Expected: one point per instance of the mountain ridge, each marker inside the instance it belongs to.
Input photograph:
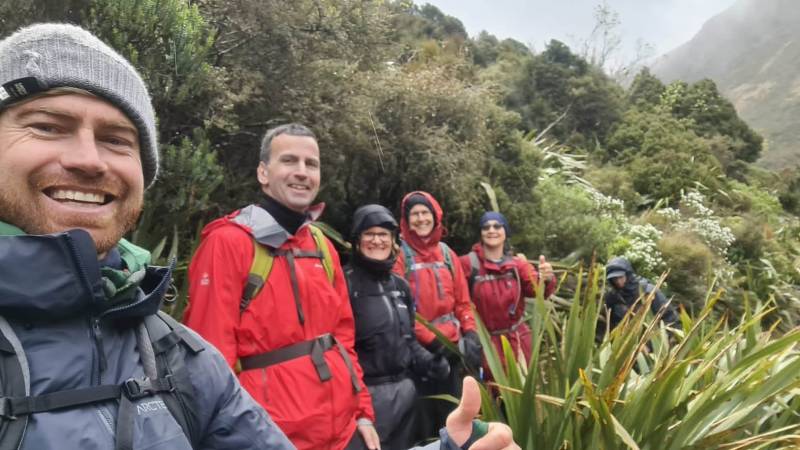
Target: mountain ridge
(752, 51)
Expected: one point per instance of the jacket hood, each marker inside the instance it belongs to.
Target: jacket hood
(411, 237)
(619, 266)
(56, 276)
(632, 281)
(369, 216)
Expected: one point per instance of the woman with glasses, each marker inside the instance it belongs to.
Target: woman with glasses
(499, 282)
(385, 343)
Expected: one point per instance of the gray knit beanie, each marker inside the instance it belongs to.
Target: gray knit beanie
(47, 56)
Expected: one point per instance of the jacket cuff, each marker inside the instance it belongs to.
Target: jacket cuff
(364, 421)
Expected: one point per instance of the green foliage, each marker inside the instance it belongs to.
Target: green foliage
(690, 264)
(190, 174)
(646, 90)
(615, 182)
(15, 14)
(170, 43)
(565, 223)
(712, 114)
(662, 155)
(558, 87)
(715, 386)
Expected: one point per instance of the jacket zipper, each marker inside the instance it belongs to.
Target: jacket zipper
(97, 337)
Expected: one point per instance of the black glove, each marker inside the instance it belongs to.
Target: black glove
(439, 369)
(436, 347)
(473, 351)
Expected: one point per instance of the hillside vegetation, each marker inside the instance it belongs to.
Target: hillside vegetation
(751, 51)
(402, 98)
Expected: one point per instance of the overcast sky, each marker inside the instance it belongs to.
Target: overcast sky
(664, 24)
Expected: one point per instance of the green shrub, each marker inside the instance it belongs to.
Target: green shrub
(615, 182)
(567, 222)
(690, 267)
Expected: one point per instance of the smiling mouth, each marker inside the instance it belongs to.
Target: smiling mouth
(78, 196)
(299, 187)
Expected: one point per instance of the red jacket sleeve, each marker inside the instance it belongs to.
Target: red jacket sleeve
(217, 275)
(463, 306)
(346, 334)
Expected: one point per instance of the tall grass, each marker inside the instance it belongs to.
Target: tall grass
(707, 385)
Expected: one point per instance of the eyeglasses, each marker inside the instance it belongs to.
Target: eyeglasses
(489, 226)
(381, 236)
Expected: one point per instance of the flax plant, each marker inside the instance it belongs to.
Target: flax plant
(643, 386)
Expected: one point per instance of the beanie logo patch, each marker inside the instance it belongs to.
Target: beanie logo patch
(21, 87)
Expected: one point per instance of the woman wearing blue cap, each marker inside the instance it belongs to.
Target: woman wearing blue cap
(499, 282)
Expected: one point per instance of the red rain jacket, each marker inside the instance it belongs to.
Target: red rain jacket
(313, 414)
(499, 292)
(432, 304)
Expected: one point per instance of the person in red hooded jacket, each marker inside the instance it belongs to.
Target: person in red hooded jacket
(294, 340)
(440, 292)
(499, 283)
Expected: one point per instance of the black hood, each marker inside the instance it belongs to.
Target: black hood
(369, 216)
(618, 265)
(631, 289)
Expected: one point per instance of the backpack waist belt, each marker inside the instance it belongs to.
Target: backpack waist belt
(508, 330)
(372, 381)
(449, 317)
(315, 348)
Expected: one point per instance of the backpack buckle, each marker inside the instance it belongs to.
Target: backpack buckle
(135, 390)
(6, 409)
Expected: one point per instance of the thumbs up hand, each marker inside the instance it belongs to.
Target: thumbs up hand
(460, 428)
(545, 269)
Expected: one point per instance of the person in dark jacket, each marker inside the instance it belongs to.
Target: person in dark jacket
(383, 308)
(625, 287)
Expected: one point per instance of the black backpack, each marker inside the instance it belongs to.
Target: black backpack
(163, 344)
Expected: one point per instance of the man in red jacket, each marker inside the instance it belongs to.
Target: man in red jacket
(293, 341)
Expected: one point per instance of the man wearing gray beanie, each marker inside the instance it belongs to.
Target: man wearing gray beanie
(86, 359)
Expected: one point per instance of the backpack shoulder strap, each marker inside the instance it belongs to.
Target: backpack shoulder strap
(408, 256)
(15, 381)
(448, 258)
(172, 344)
(259, 272)
(322, 247)
(474, 269)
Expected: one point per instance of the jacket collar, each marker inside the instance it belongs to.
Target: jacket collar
(56, 276)
(265, 229)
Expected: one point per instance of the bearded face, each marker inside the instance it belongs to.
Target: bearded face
(70, 161)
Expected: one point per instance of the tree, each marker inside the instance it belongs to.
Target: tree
(712, 114)
(646, 90)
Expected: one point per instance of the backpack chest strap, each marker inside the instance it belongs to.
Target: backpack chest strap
(491, 276)
(434, 266)
(133, 389)
(315, 348)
